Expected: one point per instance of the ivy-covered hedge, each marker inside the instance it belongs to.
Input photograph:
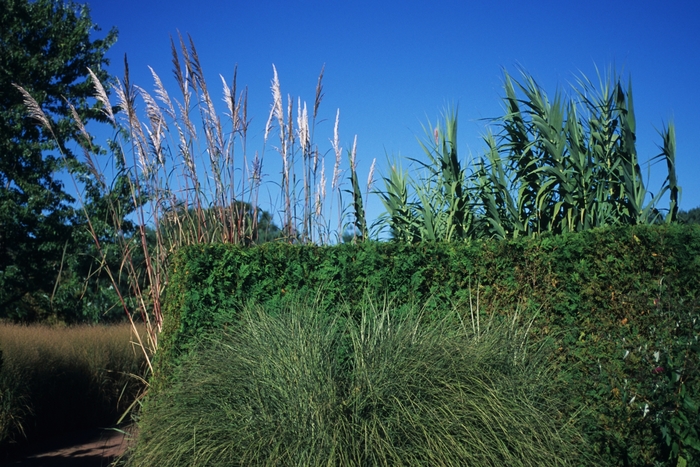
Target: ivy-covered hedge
(620, 305)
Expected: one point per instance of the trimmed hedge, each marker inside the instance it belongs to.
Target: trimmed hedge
(620, 303)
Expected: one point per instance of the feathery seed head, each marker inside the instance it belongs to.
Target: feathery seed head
(290, 121)
(370, 178)
(320, 193)
(186, 120)
(99, 177)
(321, 189)
(101, 96)
(322, 182)
(125, 102)
(256, 170)
(353, 154)
(338, 152)
(318, 206)
(33, 108)
(185, 152)
(336, 140)
(155, 134)
(228, 98)
(303, 126)
(155, 139)
(153, 111)
(276, 109)
(141, 152)
(78, 121)
(121, 96)
(162, 95)
(319, 91)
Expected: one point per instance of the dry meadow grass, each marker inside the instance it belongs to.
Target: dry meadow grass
(55, 379)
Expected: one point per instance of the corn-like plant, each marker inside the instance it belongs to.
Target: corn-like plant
(444, 207)
(569, 165)
(557, 166)
(445, 168)
(399, 215)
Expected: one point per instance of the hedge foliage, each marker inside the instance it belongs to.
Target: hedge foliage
(621, 305)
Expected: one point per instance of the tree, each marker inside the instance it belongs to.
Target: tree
(46, 48)
(689, 217)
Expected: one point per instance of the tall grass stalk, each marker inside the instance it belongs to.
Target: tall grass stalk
(188, 177)
(296, 386)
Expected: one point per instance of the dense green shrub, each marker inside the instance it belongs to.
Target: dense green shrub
(297, 386)
(615, 300)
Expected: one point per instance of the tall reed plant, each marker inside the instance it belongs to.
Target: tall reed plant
(555, 166)
(443, 208)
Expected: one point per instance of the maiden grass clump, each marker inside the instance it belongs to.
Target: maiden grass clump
(300, 387)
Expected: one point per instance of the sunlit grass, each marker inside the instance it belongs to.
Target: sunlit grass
(55, 379)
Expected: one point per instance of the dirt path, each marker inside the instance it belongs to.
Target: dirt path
(94, 448)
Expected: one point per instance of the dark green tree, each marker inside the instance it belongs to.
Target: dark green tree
(689, 217)
(46, 48)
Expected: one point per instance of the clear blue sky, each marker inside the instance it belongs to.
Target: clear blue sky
(390, 66)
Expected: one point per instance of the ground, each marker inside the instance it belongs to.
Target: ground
(93, 448)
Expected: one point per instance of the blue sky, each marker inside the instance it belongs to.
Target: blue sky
(393, 66)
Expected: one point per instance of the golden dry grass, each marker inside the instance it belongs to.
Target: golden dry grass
(62, 378)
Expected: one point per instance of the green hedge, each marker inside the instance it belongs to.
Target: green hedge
(620, 303)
